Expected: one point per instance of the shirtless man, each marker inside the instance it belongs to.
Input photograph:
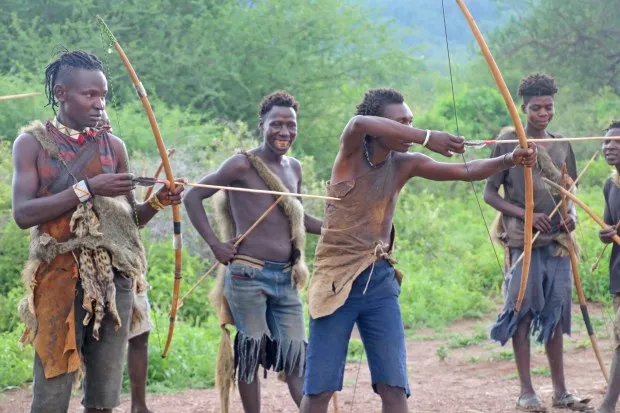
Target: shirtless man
(354, 281)
(260, 283)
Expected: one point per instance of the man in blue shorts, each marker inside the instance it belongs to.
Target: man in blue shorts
(354, 280)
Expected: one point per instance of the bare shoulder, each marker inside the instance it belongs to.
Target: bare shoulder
(236, 165)
(26, 143)
(118, 145)
(408, 164)
(295, 164)
(410, 158)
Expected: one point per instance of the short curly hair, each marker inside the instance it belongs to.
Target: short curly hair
(537, 84)
(615, 124)
(277, 98)
(375, 101)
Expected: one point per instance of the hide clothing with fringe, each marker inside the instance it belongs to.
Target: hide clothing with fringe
(94, 243)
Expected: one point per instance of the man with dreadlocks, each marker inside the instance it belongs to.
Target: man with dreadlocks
(86, 259)
(546, 307)
(258, 290)
(354, 279)
(611, 191)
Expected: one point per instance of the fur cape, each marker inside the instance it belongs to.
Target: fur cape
(293, 209)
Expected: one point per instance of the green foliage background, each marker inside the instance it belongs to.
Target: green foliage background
(206, 64)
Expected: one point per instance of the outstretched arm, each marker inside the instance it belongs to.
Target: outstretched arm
(396, 136)
(230, 171)
(426, 167)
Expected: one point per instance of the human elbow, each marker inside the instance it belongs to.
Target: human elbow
(21, 219)
(192, 200)
(488, 195)
(189, 200)
(357, 123)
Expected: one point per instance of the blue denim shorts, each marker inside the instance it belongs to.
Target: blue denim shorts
(268, 316)
(378, 318)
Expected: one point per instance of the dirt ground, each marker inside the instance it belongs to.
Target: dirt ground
(454, 370)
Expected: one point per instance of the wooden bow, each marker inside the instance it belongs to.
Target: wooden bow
(574, 263)
(161, 147)
(527, 171)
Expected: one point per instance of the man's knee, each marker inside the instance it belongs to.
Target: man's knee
(322, 398)
(140, 341)
(390, 394)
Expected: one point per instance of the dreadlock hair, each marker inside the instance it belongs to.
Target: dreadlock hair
(77, 59)
(277, 98)
(375, 101)
(615, 124)
(537, 84)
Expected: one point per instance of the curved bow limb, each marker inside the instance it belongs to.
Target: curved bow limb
(527, 171)
(161, 147)
(160, 168)
(583, 206)
(574, 263)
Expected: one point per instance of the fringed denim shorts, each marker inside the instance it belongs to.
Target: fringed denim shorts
(269, 318)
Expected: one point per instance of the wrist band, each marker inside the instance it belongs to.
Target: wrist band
(506, 163)
(428, 138)
(88, 187)
(155, 203)
(81, 191)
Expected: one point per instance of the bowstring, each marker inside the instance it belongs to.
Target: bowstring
(108, 48)
(456, 119)
(357, 376)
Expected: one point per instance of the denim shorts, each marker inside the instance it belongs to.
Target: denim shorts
(268, 316)
(377, 315)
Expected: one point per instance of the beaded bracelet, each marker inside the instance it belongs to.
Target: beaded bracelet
(155, 203)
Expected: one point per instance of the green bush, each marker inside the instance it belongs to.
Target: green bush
(191, 360)
(15, 361)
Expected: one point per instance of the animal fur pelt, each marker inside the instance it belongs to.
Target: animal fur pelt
(105, 237)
